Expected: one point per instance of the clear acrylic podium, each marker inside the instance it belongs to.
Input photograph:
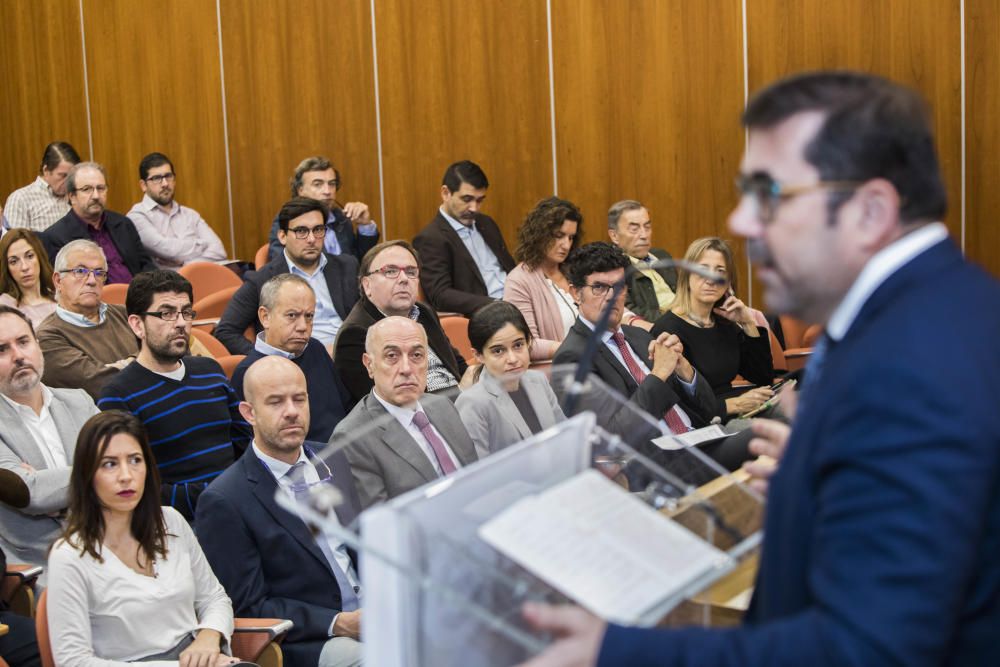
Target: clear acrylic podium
(436, 593)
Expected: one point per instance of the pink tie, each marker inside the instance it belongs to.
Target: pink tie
(440, 453)
(672, 416)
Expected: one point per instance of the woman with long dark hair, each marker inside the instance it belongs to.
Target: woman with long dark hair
(509, 402)
(128, 581)
(26, 275)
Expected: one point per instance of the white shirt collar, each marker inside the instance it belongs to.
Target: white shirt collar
(79, 320)
(455, 224)
(402, 414)
(878, 269)
(46, 402)
(149, 204)
(269, 350)
(292, 268)
(278, 468)
(607, 333)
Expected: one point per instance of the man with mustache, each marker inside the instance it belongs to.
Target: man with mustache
(174, 235)
(88, 218)
(465, 259)
(400, 437)
(38, 430)
(187, 406)
(288, 309)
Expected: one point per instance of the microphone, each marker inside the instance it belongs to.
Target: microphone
(586, 362)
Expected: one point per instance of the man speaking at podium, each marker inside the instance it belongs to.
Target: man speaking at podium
(882, 533)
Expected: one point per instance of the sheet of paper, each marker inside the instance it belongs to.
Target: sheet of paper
(601, 546)
(691, 438)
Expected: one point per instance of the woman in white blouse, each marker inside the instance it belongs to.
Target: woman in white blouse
(128, 581)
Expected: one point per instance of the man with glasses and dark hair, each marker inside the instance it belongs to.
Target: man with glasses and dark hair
(174, 235)
(333, 278)
(389, 275)
(352, 230)
(89, 219)
(287, 311)
(465, 258)
(39, 205)
(186, 404)
(269, 561)
(652, 373)
(86, 341)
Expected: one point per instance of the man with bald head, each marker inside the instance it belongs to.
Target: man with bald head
(267, 559)
(287, 309)
(400, 437)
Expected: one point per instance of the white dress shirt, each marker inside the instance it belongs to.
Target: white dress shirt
(405, 418)
(43, 429)
(489, 266)
(175, 236)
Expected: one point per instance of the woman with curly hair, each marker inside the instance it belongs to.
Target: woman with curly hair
(26, 275)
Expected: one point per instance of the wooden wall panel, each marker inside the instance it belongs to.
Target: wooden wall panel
(648, 97)
(41, 76)
(982, 89)
(155, 86)
(914, 43)
(463, 80)
(299, 82)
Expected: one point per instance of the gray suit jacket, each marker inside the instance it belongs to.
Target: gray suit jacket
(385, 461)
(492, 419)
(25, 535)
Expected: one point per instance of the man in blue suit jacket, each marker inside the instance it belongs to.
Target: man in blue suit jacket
(266, 558)
(883, 524)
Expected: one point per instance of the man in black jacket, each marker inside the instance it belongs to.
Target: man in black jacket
(89, 219)
(650, 291)
(333, 278)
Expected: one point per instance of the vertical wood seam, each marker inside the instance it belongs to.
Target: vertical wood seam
(552, 99)
(225, 128)
(961, 13)
(746, 139)
(378, 123)
(86, 84)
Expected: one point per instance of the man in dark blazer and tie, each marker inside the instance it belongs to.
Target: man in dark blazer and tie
(883, 519)
(268, 560)
(400, 438)
(333, 278)
(465, 259)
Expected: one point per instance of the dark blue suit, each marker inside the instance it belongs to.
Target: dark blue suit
(267, 559)
(882, 543)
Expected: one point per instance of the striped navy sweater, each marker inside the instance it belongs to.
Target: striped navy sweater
(194, 425)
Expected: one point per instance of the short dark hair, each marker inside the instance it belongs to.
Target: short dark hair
(10, 310)
(56, 152)
(596, 257)
(464, 172)
(493, 317)
(85, 521)
(540, 227)
(314, 163)
(146, 285)
(299, 206)
(152, 161)
(873, 128)
(369, 258)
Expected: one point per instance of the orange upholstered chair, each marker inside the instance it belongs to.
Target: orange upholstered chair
(208, 278)
(260, 259)
(211, 343)
(114, 294)
(456, 328)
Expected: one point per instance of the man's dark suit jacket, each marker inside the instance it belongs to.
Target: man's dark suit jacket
(341, 273)
(641, 295)
(122, 232)
(267, 559)
(351, 242)
(448, 274)
(882, 532)
(653, 396)
(350, 345)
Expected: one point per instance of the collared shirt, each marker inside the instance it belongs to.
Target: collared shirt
(327, 321)
(280, 470)
(438, 375)
(79, 320)
(332, 243)
(689, 387)
(664, 295)
(117, 271)
(35, 207)
(883, 264)
(43, 429)
(405, 416)
(264, 348)
(175, 236)
(489, 266)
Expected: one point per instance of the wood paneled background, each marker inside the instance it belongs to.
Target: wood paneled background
(597, 99)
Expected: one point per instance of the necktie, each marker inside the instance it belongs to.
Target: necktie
(440, 453)
(672, 416)
(348, 592)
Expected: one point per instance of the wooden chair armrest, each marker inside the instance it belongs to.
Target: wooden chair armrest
(17, 588)
(275, 628)
(257, 640)
(797, 357)
(24, 571)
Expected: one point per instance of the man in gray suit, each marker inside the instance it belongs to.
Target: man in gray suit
(38, 430)
(400, 438)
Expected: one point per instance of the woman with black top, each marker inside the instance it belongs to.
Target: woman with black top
(720, 337)
(509, 402)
